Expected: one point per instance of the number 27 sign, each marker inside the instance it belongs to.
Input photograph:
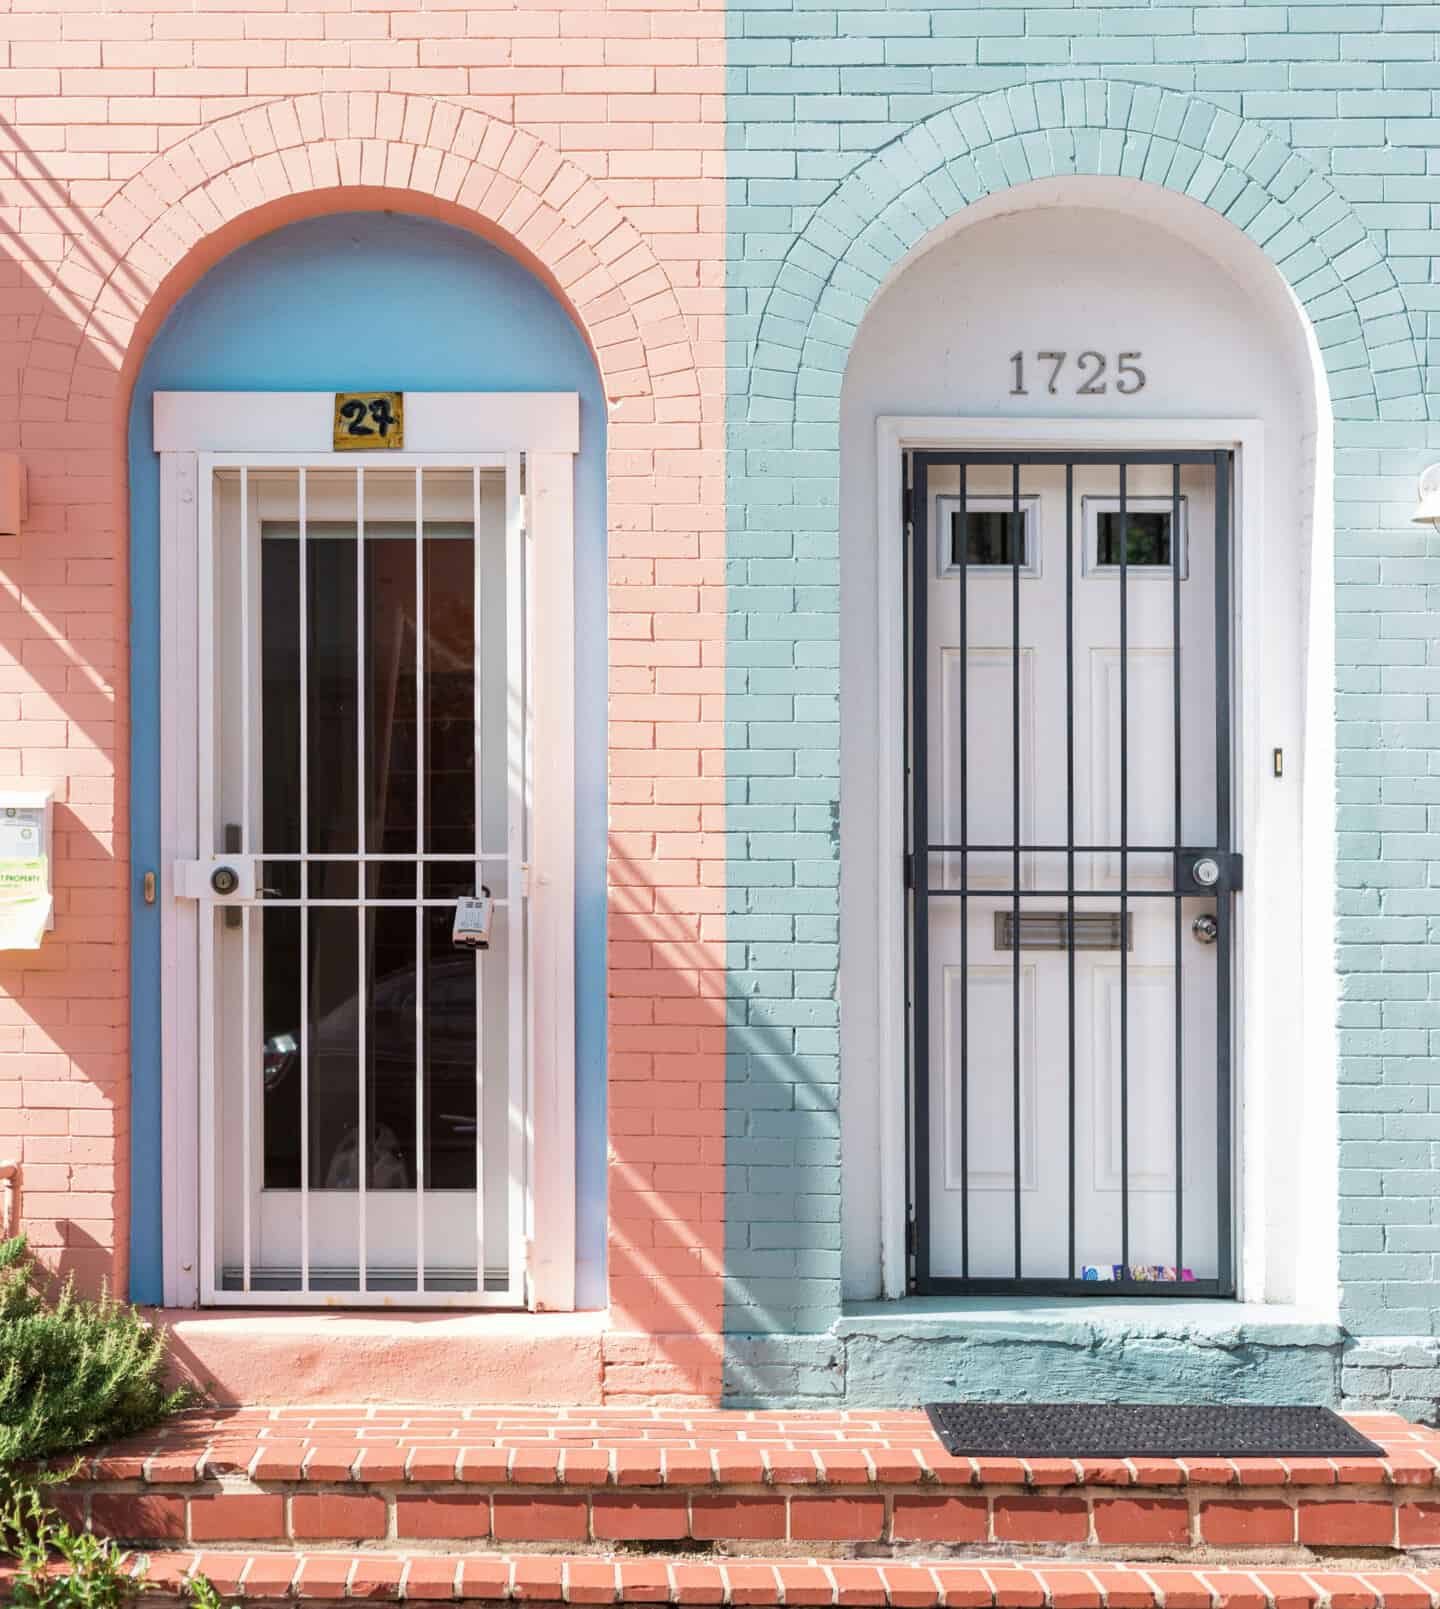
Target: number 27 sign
(366, 420)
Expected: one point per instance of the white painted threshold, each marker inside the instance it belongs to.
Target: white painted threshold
(1048, 1318)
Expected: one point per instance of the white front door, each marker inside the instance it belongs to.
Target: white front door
(1070, 1028)
(367, 710)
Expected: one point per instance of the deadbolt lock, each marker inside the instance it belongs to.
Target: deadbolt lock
(1209, 871)
(224, 880)
(1206, 929)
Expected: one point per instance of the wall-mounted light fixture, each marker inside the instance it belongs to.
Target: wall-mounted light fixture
(1427, 510)
(12, 495)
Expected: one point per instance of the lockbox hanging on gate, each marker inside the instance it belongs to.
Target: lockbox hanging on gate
(473, 914)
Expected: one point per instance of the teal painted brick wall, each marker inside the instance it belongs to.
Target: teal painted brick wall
(852, 130)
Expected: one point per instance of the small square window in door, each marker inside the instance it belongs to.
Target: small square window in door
(988, 533)
(1145, 533)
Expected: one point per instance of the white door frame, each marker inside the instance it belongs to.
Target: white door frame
(294, 427)
(1259, 974)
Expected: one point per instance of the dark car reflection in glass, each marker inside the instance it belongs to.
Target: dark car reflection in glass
(450, 1075)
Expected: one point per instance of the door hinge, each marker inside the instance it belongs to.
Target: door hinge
(909, 870)
(907, 505)
(910, 1235)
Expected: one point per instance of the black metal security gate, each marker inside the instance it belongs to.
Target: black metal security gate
(1071, 872)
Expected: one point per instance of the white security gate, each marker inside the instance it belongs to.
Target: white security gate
(363, 754)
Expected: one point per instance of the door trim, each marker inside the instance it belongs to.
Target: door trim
(300, 422)
(188, 427)
(896, 434)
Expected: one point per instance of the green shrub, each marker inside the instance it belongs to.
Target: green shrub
(72, 1370)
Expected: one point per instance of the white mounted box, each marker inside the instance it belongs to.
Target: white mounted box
(27, 907)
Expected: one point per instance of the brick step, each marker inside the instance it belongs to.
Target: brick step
(772, 1519)
(332, 1577)
(775, 1485)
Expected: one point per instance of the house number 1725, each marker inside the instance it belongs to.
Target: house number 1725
(1087, 377)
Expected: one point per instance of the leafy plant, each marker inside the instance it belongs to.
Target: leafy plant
(202, 1593)
(72, 1370)
(57, 1567)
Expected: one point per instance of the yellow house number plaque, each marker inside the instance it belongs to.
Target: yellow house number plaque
(367, 420)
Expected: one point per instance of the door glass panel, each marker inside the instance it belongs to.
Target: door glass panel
(989, 537)
(1144, 533)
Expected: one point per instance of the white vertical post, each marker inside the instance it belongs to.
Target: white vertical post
(419, 878)
(477, 722)
(182, 642)
(516, 847)
(247, 1165)
(304, 579)
(549, 487)
(205, 844)
(362, 1001)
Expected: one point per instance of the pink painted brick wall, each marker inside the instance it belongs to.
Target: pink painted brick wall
(141, 142)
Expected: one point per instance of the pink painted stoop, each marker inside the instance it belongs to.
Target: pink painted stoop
(712, 1507)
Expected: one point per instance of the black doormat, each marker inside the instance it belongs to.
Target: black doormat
(1127, 1430)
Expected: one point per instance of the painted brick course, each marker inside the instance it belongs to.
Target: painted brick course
(852, 131)
(138, 147)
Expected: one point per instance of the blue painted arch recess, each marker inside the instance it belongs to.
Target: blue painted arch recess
(355, 301)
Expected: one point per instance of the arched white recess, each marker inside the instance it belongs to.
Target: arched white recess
(1114, 265)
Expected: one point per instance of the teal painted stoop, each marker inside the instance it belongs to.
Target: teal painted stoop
(901, 1354)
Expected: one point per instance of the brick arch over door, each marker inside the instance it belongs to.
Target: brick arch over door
(256, 170)
(474, 168)
(786, 1279)
(1249, 176)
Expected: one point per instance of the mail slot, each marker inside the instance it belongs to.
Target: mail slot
(1060, 930)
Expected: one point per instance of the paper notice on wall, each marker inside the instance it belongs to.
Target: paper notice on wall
(24, 902)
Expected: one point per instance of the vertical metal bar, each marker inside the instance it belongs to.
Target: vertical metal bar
(526, 1095)
(1015, 849)
(245, 623)
(1224, 902)
(919, 849)
(205, 845)
(246, 1072)
(1070, 855)
(478, 712)
(362, 986)
(246, 1058)
(1178, 813)
(304, 580)
(421, 794)
(964, 873)
(1124, 883)
(517, 836)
